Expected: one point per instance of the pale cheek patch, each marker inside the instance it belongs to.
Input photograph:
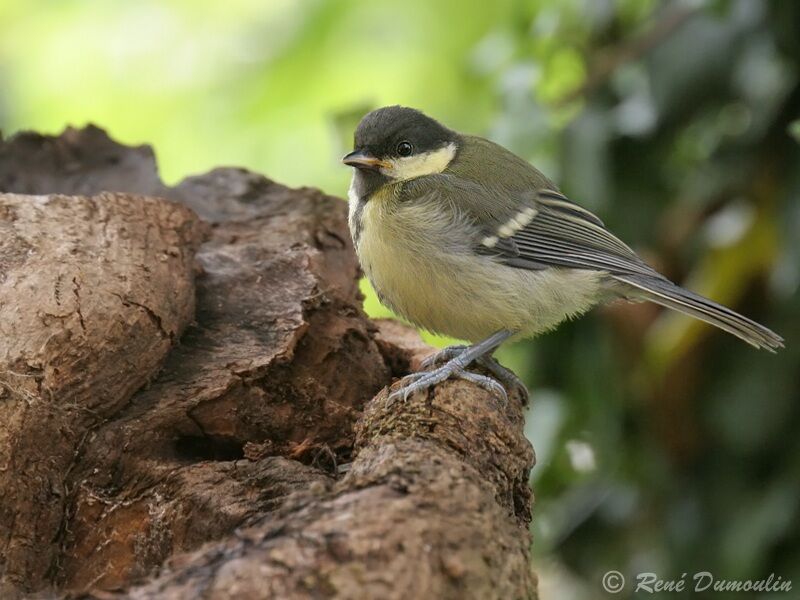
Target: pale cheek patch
(516, 223)
(419, 165)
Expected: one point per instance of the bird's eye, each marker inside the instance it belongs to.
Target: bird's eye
(405, 148)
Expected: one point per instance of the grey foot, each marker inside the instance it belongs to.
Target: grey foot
(421, 381)
(498, 371)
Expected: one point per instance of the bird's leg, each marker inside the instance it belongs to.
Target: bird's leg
(442, 356)
(487, 361)
(456, 367)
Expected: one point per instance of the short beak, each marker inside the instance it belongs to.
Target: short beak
(363, 160)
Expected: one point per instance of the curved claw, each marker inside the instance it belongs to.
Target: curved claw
(487, 383)
(405, 383)
(504, 376)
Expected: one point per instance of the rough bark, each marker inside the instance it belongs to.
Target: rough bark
(172, 424)
(436, 505)
(93, 292)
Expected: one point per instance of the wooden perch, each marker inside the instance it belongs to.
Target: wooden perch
(183, 373)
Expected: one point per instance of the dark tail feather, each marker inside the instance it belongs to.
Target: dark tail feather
(664, 292)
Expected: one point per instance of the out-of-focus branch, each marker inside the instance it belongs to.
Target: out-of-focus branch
(607, 60)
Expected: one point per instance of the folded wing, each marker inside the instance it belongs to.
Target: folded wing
(551, 231)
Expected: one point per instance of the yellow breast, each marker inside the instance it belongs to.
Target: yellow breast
(420, 262)
(397, 252)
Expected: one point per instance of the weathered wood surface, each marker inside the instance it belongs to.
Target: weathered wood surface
(182, 372)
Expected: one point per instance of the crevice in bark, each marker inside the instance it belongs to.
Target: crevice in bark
(76, 290)
(150, 313)
(191, 448)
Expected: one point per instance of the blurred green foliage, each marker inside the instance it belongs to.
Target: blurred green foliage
(662, 445)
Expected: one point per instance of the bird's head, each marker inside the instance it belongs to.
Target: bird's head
(396, 143)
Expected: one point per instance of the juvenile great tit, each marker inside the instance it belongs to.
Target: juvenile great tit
(462, 237)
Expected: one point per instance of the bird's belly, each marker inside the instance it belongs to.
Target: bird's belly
(430, 294)
(466, 295)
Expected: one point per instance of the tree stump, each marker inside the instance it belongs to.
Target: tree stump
(186, 373)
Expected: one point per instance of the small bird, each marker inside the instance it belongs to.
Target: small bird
(464, 238)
